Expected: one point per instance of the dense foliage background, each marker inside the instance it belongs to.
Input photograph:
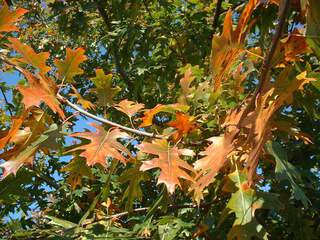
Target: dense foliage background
(206, 62)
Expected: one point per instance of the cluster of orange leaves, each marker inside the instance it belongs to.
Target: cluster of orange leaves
(245, 131)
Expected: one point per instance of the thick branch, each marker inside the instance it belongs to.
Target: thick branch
(266, 65)
(106, 121)
(216, 15)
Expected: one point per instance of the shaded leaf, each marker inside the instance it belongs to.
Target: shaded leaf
(69, 67)
(77, 169)
(132, 176)
(104, 90)
(286, 171)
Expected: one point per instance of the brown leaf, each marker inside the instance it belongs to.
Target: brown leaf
(172, 167)
(128, 107)
(216, 155)
(69, 68)
(294, 45)
(186, 81)
(227, 47)
(9, 18)
(184, 124)
(29, 56)
(103, 144)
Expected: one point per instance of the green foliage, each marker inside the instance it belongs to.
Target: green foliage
(206, 147)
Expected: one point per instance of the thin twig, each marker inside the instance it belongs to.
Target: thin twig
(115, 48)
(144, 209)
(6, 100)
(106, 121)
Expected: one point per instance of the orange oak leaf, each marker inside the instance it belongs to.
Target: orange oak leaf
(10, 134)
(29, 56)
(86, 104)
(9, 18)
(172, 167)
(129, 108)
(186, 81)
(68, 68)
(259, 121)
(184, 124)
(41, 89)
(150, 113)
(227, 47)
(18, 159)
(103, 144)
(294, 45)
(215, 156)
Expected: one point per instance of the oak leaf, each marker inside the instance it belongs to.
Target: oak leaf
(69, 67)
(172, 167)
(29, 56)
(129, 108)
(104, 90)
(184, 124)
(227, 47)
(17, 159)
(86, 104)
(294, 45)
(215, 157)
(77, 169)
(103, 144)
(170, 108)
(9, 18)
(41, 89)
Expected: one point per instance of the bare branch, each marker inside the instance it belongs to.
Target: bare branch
(106, 121)
(216, 15)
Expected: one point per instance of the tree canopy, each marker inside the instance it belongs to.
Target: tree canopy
(169, 119)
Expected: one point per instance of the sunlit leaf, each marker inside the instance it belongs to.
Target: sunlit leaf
(103, 144)
(171, 165)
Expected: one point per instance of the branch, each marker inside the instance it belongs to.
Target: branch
(266, 65)
(115, 48)
(106, 121)
(144, 209)
(6, 100)
(216, 15)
